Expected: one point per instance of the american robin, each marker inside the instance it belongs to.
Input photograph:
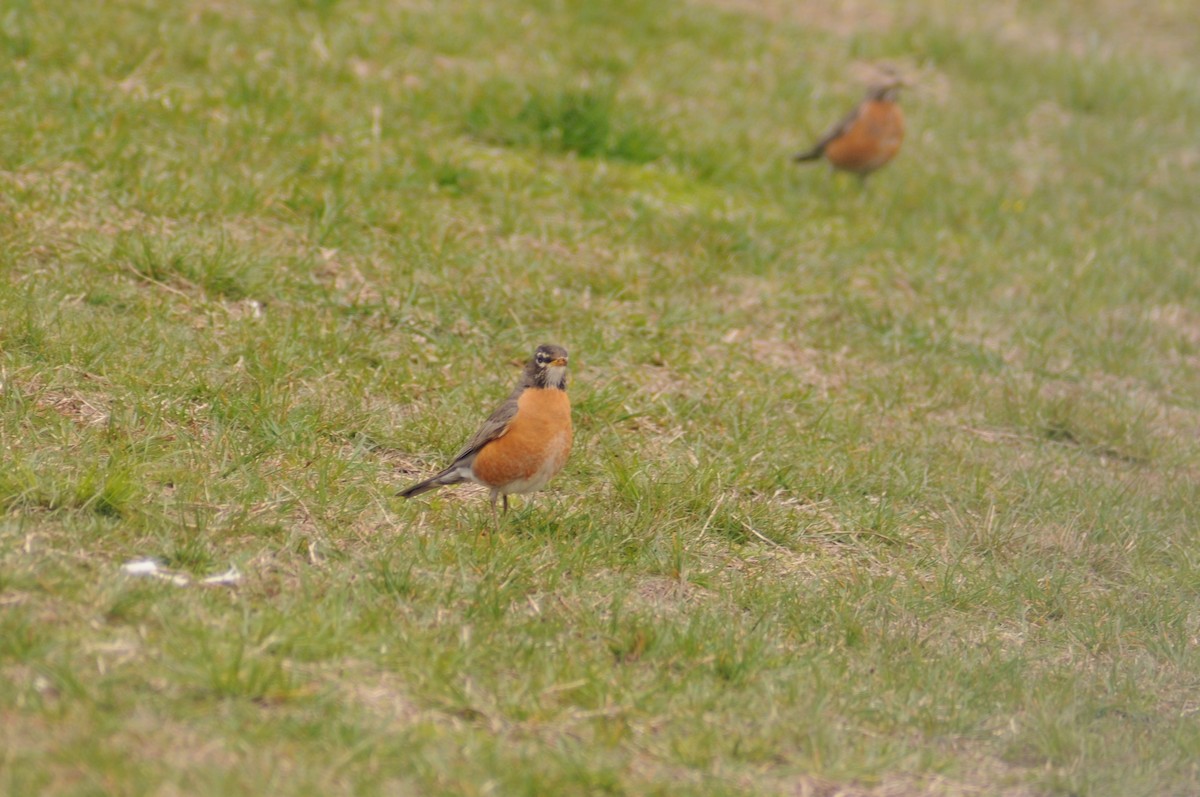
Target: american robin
(869, 136)
(525, 442)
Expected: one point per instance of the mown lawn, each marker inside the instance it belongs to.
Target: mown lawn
(877, 491)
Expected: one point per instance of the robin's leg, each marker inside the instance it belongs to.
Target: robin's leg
(506, 503)
(495, 518)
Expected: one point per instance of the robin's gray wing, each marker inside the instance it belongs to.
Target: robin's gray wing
(495, 426)
(835, 132)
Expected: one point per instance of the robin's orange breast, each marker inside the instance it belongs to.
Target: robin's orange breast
(871, 141)
(534, 448)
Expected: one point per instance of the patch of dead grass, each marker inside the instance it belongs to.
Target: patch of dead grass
(1166, 32)
(656, 381)
(1178, 320)
(1038, 161)
(84, 409)
(379, 693)
(74, 406)
(842, 19)
(343, 275)
(824, 371)
(661, 595)
(174, 745)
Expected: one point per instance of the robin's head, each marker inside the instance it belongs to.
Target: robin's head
(548, 368)
(886, 85)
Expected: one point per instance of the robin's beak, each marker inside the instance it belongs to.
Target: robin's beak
(560, 362)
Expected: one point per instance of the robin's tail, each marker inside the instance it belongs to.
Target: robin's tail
(810, 155)
(449, 476)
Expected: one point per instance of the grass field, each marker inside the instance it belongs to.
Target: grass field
(882, 491)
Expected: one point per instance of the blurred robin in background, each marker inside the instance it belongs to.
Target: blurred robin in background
(525, 442)
(869, 136)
